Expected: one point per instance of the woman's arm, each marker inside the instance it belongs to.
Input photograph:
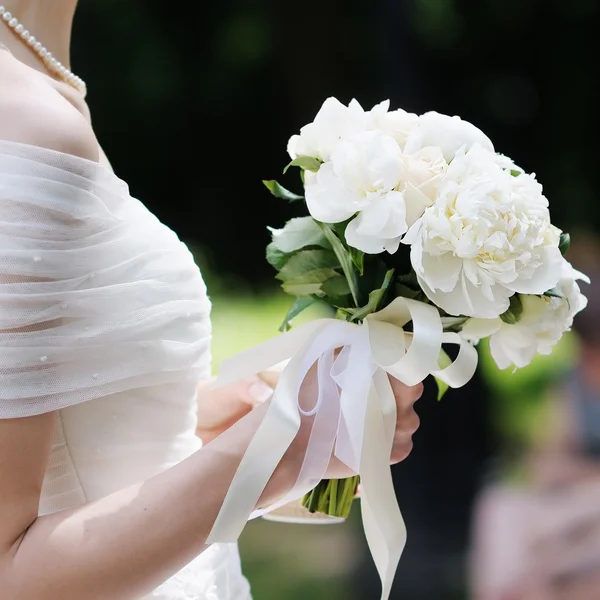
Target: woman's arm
(123, 545)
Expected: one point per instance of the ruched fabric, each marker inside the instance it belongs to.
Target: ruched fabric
(96, 295)
(105, 320)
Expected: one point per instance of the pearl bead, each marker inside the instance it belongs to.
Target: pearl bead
(53, 65)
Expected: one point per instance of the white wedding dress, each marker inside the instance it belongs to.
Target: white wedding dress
(104, 318)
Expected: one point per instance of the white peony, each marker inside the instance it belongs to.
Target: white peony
(487, 236)
(333, 122)
(447, 133)
(543, 322)
(370, 177)
(398, 124)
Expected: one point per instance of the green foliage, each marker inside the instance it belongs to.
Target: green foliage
(306, 163)
(307, 261)
(514, 312)
(300, 304)
(275, 257)
(280, 192)
(345, 260)
(375, 299)
(443, 361)
(564, 243)
(299, 233)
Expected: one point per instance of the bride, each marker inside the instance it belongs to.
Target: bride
(106, 492)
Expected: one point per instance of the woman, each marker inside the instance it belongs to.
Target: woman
(105, 492)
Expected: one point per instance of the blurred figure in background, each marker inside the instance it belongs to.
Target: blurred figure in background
(541, 540)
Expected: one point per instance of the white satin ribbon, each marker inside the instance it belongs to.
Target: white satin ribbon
(354, 414)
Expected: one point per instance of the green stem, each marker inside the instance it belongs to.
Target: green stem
(332, 497)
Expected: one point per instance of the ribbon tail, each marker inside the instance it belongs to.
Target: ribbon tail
(383, 524)
(266, 449)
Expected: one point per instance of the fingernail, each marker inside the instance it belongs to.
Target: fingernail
(260, 391)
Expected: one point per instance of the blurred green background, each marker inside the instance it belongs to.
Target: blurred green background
(194, 104)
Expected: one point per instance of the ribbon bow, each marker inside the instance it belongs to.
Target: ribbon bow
(354, 414)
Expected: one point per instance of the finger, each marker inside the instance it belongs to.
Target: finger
(407, 423)
(251, 391)
(258, 391)
(402, 447)
(406, 394)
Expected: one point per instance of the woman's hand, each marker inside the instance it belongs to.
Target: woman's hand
(219, 409)
(407, 423)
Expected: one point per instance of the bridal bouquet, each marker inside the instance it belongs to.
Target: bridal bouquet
(416, 221)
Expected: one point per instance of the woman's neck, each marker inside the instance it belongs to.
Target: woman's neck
(50, 21)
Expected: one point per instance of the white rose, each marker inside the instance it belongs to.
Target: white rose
(368, 174)
(543, 322)
(487, 236)
(447, 133)
(333, 122)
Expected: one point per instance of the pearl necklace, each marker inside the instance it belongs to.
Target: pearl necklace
(54, 66)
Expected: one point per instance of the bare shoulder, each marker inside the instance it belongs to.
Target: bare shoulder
(33, 112)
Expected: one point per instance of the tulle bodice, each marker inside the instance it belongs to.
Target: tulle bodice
(104, 318)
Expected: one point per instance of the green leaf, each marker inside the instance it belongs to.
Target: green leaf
(515, 172)
(336, 287)
(299, 305)
(443, 361)
(344, 258)
(564, 243)
(307, 163)
(406, 292)
(275, 257)
(306, 261)
(375, 298)
(358, 258)
(308, 283)
(299, 233)
(280, 192)
(345, 314)
(513, 314)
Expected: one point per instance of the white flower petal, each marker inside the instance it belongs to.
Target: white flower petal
(475, 330)
(545, 277)
(370, 244)
(444, 270)
(447, 133)
(467, 300)
(416, 202)
(327, 199)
